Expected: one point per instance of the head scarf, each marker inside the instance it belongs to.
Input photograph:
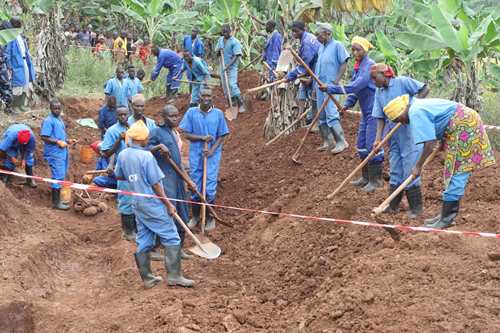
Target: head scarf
(23, 137)
(138, 98)
(396, 107)
(363, 42)
(323, 27)
(138, 131)
(384, 69)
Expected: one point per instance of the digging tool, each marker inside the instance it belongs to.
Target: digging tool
(315, 78)
(195, 82)
(204, 189)
(230, 114)
(383, 206)
(366, 160)
(265, 86)
(96, 172)
(192, 185)
(295, 156)
(288, 128)
(249, 64)
(269, 68)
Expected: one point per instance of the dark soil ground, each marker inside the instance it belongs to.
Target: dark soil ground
(62, 272)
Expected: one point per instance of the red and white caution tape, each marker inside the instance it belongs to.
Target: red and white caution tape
(404, 228)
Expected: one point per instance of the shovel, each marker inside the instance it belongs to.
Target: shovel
(197, 83)
(296, 155)
(383, 206)
(192, 186)
(365, 161)
(230, 113)
(204, 189)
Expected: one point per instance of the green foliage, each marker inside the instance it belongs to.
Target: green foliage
(8, 35)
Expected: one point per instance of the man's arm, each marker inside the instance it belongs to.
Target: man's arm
(422, 93)
(341, 73)
(194, 137)
(116, 145)
(428, 148)
(158, 190)
(236, 57)
(217, 143)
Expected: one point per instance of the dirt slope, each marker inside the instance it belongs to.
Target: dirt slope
(65, 273)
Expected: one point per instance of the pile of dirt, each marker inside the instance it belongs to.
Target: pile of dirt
(65, 272)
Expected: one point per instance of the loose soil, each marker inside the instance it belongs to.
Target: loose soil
(62, 272)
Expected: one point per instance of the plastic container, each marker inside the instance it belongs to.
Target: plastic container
(66, 194)
(86, 154)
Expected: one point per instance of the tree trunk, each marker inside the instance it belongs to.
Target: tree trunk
(466, 85)
(50, 61)
(283, 110)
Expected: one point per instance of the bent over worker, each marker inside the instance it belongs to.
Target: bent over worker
(197, 72)
(55, 150)
(466, 144)
(17, 149)
(173, 62)
(138, 167)
(403, 152)
(361, 88)
(199, 125)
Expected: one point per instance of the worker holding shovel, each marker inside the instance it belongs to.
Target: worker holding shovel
(197, 72)
(466, 144)
(17, 149)
(200, 125)
(166, 146)
(404, 154)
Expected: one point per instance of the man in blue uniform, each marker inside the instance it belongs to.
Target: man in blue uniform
(138, 103)
(138, 167)
(17, 149)
(173, 62)
(197, 71)
(330, 68)
(111, 147)
(308, 52)
(134, 84)
(199, 125)
(107, 115)
(55, 150)
(118, 87)
(193, 43)
(231, 50)
(272, 50)
(165, 143)
(404, 154)
(5, 85)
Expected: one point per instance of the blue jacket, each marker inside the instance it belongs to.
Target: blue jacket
(308, 52)
(15, 62)
(168, 59)
(272, 49)
(197, 49)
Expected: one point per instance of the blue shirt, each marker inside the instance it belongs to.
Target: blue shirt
(195, 47)
(330, 57)
(119, 89)
(308, 52)
(429, 118)
(272, 50)
(164, 135)
(111, 136)
(150, 123)
(198, 70)
(11, 146)
(53, 127)
(138, 166)
(135, 86)
(231, 47)
(107, 117)
(168, 59)
(398, 86)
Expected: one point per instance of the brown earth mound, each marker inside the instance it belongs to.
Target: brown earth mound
(62, 272)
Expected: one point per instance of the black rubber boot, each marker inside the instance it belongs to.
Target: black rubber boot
(209, 221)
(363, 180)
(6, 179)
(56, 200)
(29, 181)
(129, 227)
(394, 204)
(448, 213)
(414, 197)
(193, 222)
(173, 267)
(374, 178)
(241, 104)
(143, 261)
(327, 137)
(338, 134)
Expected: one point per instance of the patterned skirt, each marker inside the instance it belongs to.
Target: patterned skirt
(466, 144)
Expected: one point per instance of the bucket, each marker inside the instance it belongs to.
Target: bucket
(66, 194)
(86, 154)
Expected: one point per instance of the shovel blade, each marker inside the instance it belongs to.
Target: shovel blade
(231, 113)
(207, 250)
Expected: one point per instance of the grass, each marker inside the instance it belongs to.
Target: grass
(491, 116)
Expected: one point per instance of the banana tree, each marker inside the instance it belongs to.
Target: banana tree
(8, 35)
(461, 37)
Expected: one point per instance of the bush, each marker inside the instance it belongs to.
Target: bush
(491, 116)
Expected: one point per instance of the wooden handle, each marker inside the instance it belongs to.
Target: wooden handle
(269, 68)
(366, 160)
(288, 128)
(189, 232)
(96, 172)
(378, 210)
(311, 73)
(204, 190)
(264, 86)
(195, 82)
(309, 128)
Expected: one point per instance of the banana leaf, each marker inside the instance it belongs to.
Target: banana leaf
(8, 35)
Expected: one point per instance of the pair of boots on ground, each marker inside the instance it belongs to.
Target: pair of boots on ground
(333, 133)
(371, 178)
(443, 220)
(195, 220)
(238, 100)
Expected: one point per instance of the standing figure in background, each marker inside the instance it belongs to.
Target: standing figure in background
(193, 43)
(272, 50)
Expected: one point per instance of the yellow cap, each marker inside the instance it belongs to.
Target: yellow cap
(363, 42)
(138, 131)
(396, 107)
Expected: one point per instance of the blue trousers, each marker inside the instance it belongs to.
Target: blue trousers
(124, 201)
(174, 188)
(403, 157)
(232, 77)
(213, 164)
(304, 94)
(330, 115)
(105, 181)
(456, 188)
(173, 72)
(58, 167)
(8, 165)
(366, 136)
(162, 227)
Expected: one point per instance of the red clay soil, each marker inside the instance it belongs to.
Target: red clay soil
(62, 272)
